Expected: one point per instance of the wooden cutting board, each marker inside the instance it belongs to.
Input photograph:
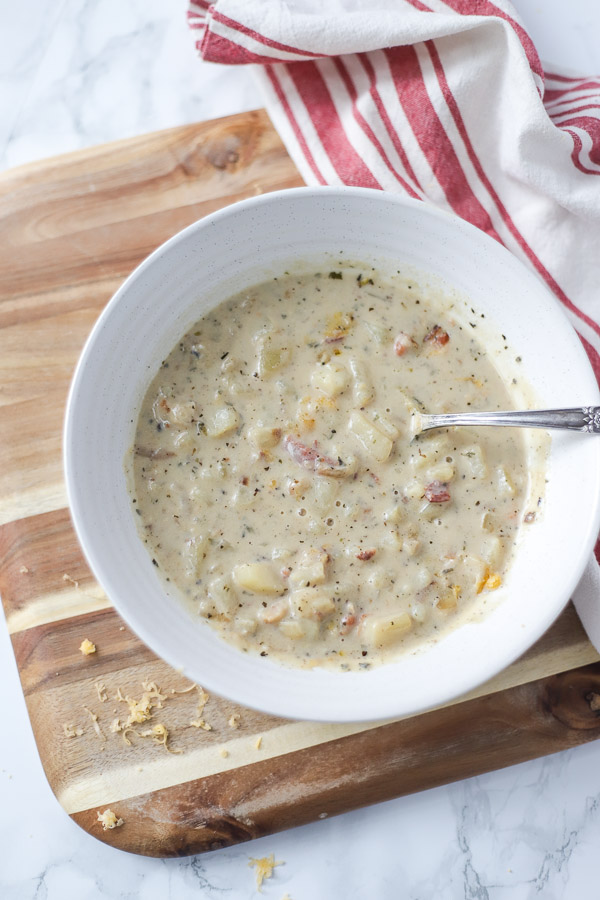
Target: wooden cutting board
(71, 229)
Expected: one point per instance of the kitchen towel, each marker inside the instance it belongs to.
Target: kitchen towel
(445, 101)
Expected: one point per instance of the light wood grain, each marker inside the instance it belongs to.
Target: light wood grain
(70, 230)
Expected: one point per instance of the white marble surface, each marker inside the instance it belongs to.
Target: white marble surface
(77, 72)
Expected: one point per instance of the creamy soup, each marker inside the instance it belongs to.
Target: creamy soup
(280, 488)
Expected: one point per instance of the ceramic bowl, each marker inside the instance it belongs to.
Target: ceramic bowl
(239, 247)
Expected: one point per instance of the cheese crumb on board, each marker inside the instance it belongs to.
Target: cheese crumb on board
(160, 735)
(87, 647)
(101, 691)
(94, 719)
(24, 570)
(234, 721)
(72, 730)
(223, 752)
(264, 867)
(258, 742)
(108, 820)
(200, 723)
(71, 580)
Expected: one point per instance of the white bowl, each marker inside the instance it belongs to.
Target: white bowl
(241, 246)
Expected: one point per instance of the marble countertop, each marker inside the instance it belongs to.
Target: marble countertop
(79, 72)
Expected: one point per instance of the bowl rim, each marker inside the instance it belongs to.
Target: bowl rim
(128, 612)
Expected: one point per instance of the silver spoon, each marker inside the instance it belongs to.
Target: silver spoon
(582, 418)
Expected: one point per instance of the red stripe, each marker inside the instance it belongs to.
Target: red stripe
(202, 4)
(260, 38)
(551, 95)
(453, 107)
(270, 72)
(218, 49)
(590, 125)
(551, 108)
(576, 154)
(391, 130)
(593, 355)
(311, 87)
(432, 138)
(577, 109)
(349, 85)
(420, 6)
(485, 8)
(564, 78)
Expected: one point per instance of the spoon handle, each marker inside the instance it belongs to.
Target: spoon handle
(582, 418)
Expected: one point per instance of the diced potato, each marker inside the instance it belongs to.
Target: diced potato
(245, 625)
(243, 496)
(263, 437)
(184, 413)
(394, 515)
(442, 472)
(385, 424)
(378, 580)
(377, 444)
(363, 387)
(475, 571)
(475, 461)
(414, 489)
(324, 491)
(296, 629)
(330, 378)
(492, 550)
(222, 421)
(381, 631)
(411, 546)
(220, 598)
(259, 578)
(422, 578)
(378, 332)
(505, 483)
(271, 358)
(447, 601)
(310, 568)
(429, 451)
(274, 612)
(194, 551)
(311, 603)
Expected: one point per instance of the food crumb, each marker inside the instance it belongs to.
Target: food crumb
(87, 647)
(234, 720)
(101, 691)
(71, 580)
(200, 723)
(71, 730)
(258, 742)
(122, 628)
(109, 820)
(493, 581)
(160, 735)
(94, 719)
(224, 753)
(116, 726)
(24, 570)
(264, 867)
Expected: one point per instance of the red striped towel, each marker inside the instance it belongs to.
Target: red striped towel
(446, 101)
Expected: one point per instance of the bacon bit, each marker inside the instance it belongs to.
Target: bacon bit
(310, 458)
(375, 477)
(402, 343)
(244, 480)
(529, 517)
(348, 620)
(334, 340)
(437, 336)
(286, 572)
(366, 554)
(437, 492)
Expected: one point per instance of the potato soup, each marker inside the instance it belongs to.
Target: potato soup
(279, 486)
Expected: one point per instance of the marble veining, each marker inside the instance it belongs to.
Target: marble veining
(77, 72)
